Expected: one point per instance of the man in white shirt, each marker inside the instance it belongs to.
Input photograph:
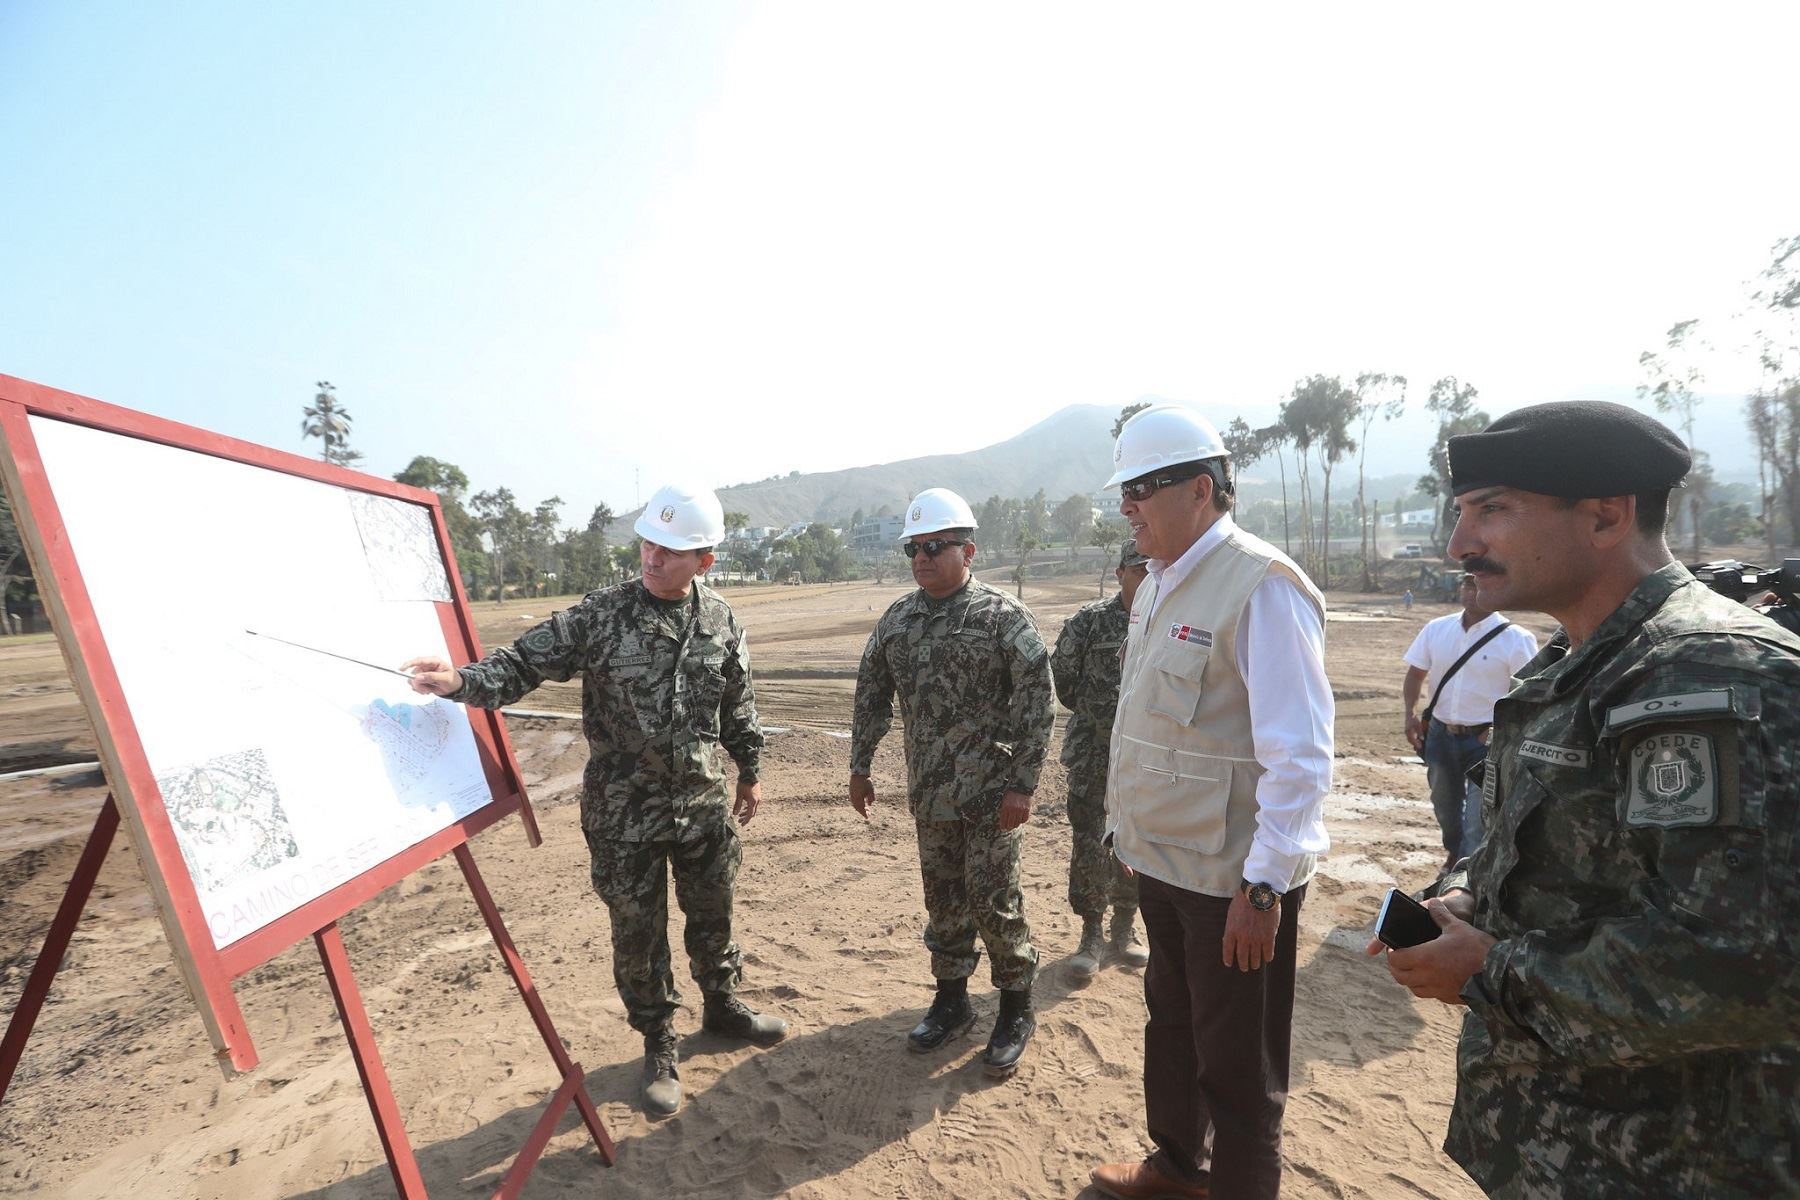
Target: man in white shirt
(1456, 736)
(1220, 764)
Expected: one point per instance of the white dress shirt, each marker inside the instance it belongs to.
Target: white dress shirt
(1281, 649)
(1468, 698)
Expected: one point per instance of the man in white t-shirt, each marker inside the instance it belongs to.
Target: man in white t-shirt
(1456, 737)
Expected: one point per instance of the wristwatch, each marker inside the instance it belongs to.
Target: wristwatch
(1262, 897)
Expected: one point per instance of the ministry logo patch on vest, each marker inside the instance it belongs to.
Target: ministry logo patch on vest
(1187, 633)
(1674, 781)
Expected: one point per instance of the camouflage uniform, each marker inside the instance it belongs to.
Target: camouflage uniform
(974, 684)
(664, 684)
(1634, 1031)
(1086, 667)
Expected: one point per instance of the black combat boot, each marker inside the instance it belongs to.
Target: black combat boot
(662, 1082)
(1084, 964)
(950, 1014)
(1012, 1030)
(726, 1014)
(1126, 947)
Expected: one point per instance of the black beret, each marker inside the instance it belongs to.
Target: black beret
(1572, 449)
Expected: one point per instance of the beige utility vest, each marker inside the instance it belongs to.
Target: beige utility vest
(1181, 786)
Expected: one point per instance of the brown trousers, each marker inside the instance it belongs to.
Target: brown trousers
(1216, 1046)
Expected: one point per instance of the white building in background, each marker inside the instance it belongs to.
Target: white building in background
(876, 538)
(1416, 517)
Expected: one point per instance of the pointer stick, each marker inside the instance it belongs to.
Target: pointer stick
(328, 654)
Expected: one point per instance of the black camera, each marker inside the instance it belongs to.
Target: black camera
(1745, 582)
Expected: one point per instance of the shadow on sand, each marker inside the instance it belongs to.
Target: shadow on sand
(813, 1106)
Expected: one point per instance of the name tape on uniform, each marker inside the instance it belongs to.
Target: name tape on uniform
(1560, 756)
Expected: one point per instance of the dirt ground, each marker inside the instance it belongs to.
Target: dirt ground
(118, 1095)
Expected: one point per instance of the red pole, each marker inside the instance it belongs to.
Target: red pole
(56, 942)
(407, 1180)
(490, 912)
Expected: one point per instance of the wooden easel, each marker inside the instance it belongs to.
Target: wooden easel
(380, 1093)
(208, 968)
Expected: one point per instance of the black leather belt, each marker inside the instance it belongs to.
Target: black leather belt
(1466, 730)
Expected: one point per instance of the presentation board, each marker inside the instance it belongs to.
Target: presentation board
(233, 616)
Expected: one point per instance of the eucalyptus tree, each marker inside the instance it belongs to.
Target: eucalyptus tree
(1379, 397)
(1453, 403)
(1247, 445)
(1670, 377)
(329, 421)
(1073, 517)
(1108, 535)
(1319, 413)
(498, 515)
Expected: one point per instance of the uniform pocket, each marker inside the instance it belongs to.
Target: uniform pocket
(706, 688)
(1172, 679)
(1180, 799)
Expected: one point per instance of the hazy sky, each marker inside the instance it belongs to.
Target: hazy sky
(560, 243)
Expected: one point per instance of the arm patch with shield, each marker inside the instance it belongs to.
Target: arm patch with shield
(1679, 759)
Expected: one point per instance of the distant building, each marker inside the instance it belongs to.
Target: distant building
(876, 538)
(1422, 518)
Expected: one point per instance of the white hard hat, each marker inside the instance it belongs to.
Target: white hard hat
(937, 508)
(681, 516)
(1162, 436)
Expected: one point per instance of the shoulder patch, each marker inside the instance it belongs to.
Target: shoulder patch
(1555, 755)
(1024, 639)
(1663, 708)
(1673, 780)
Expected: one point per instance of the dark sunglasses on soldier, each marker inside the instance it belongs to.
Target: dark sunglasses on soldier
(932, 547)
(1141, 490)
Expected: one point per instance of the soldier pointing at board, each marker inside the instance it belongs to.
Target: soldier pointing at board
(665, 682)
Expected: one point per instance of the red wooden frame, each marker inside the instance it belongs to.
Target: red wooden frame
(208, 970)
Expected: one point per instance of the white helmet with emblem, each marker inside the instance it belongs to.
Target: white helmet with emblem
(937, 508)
(681, 516)
(1162, 436)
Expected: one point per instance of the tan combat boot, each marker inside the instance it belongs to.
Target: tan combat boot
(662, 1083)
(1126, 947)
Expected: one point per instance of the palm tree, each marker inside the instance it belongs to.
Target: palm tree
(328, 422)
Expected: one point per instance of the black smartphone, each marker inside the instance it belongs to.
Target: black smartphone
(1404, 922)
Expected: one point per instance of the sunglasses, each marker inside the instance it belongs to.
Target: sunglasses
(932, 548)
(1142, 489)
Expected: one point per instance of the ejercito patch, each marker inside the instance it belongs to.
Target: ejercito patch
(1674, 781)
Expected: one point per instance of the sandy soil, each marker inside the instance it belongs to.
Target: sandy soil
(117, 1094)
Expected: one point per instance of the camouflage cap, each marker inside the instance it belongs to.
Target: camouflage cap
(1129, 556)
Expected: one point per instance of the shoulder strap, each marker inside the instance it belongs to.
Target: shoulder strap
(1456, 666)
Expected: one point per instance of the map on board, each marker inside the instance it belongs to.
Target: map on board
(401, 545)
(228, 818)
(293, 759)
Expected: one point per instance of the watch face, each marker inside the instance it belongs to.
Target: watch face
(1262, 897)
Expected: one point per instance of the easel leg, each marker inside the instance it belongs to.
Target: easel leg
(407, 1180)
(56, 942)
(528, 991)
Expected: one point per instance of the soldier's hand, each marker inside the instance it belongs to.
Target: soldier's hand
(1015, 810)
(745, 804)
(862, 794)
(1250, 935)
(1439, 969)
(432, 676)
